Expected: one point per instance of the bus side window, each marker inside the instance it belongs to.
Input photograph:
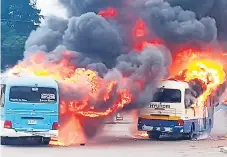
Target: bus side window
(211, 101)
(3, 87)
(188, 101)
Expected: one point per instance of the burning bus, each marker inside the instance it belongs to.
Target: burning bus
(169, 112)
(184, 105)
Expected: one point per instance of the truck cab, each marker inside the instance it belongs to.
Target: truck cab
(172, 113)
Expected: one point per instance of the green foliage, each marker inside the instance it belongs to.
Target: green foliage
(20, 15)
(19, 18)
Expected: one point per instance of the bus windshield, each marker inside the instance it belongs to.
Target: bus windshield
(167, 95)
(32, 94)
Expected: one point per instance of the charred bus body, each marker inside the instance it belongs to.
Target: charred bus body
(175, 111)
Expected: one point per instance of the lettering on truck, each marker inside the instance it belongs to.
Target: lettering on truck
(159, 106)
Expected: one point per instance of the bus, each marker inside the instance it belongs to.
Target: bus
(29, 109)
(168, 113)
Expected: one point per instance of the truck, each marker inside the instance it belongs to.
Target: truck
(168, 114)
(29, 109)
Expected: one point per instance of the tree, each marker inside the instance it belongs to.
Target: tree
(19, 18)
(12, 45)
(20, 15)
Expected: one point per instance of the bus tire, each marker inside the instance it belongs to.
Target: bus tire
(45, 141)
(154, 136)
(191, 134)
(3, 141)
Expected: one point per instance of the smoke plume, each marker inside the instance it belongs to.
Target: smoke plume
(104, 43)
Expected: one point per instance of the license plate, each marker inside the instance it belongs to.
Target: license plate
(32, 122)
(119, 117)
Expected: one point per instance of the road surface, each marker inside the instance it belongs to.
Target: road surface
(116, 141)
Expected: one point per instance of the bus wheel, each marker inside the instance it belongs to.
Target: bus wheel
(191, 135)
(46, 141)
(3, 141)
(154, 136)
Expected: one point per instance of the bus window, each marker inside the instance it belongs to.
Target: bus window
(2, 97)
(167, 95)
(211, 101)
(188, 98)
(33, 94)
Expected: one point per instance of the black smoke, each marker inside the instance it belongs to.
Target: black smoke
(104, 39)
(196, 88)
(174, 24)
(215, 9)
(104, 44)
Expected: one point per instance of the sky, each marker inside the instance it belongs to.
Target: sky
(51, 7)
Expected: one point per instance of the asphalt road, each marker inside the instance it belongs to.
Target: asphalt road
(117, 142)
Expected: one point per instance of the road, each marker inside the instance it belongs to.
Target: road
(116, 141)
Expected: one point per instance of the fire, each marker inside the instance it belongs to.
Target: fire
(140, 29)
(96, 90)
(143, 135)
(140, 34)
(81, 78)
(201, 66)
(75, 136)
(109, 12)
(141, 45)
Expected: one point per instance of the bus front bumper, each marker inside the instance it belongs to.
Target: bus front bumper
(12, 133)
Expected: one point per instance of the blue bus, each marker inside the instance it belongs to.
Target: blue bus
(29, 109)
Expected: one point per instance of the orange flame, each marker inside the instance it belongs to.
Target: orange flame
(71, 133)
(140, 29)
(84, 80)
(109, 12)
(200, 66)
(139, 33)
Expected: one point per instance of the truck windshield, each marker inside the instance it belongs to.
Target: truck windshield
(167, 95)
(32, 94)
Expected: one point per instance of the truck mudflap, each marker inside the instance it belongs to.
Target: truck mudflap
(162, 126)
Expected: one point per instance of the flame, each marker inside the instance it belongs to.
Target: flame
(140, 34)
(97, 89)
(200, 66)
(143, 134)
(141, 45)
(140, 29)
(66, 138)
(133, 129)
(109, 12)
